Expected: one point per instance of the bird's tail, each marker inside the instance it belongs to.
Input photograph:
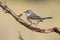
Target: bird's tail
(41, 19)
(46, 18)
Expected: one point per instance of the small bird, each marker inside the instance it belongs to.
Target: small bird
(30, 15)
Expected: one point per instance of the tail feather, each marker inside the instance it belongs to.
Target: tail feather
(47, 18)
(41, 19)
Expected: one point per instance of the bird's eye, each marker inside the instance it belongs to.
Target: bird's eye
(28, 13)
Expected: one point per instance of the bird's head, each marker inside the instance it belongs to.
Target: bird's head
(27, 11)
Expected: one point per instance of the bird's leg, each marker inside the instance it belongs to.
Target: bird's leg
(36, 25)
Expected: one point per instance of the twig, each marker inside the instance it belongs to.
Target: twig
(27, 25)
(20, 36)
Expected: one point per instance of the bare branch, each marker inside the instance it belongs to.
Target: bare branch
(27, 25)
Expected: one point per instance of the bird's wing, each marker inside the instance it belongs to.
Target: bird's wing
(35, 17)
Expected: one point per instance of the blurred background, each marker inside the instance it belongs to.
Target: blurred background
(9, 27)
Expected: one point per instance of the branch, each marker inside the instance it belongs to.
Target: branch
(27, 25)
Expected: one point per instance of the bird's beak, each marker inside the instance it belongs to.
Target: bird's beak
(24, 12)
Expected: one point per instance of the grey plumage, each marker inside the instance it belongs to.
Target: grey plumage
(32, 16)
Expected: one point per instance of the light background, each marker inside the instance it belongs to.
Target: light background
(9, 27)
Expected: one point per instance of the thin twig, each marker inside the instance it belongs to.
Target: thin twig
(20, 36)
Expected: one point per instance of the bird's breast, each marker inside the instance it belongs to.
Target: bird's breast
(27, 14)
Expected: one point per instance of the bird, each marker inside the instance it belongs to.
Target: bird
(30, 15)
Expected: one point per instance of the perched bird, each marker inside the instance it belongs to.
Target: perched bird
(30, 15)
